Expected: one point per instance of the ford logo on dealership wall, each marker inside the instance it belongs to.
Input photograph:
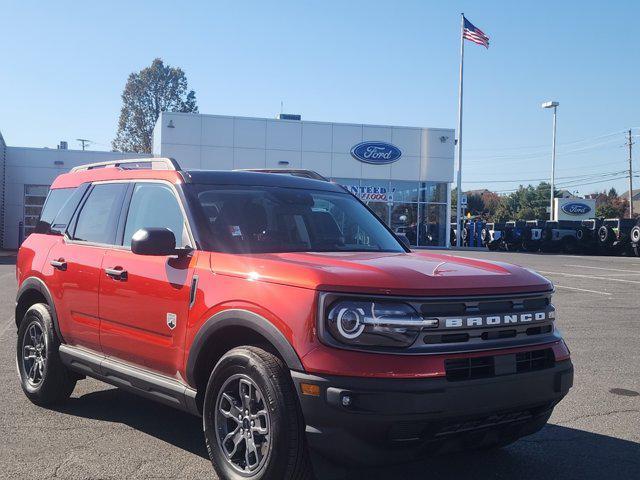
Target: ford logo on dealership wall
(575, 208)
(377, 153)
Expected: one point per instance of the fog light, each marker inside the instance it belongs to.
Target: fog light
(346, 401)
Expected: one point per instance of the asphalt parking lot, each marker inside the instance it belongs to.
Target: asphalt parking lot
(594, 433)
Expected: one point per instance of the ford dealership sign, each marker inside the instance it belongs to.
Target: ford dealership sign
(376, 153)
(575, 208)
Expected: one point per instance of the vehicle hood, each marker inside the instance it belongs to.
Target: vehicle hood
(416, 273)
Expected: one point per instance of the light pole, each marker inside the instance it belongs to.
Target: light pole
(553, 105)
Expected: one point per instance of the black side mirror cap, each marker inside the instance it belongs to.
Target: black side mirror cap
(153, 241)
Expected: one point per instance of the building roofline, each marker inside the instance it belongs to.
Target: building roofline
(307, 121)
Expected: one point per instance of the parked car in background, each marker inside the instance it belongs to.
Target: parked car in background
(560, 236)
(614, 235)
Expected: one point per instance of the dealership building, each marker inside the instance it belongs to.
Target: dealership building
(404, 174)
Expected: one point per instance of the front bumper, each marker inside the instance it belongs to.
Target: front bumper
(390, 420)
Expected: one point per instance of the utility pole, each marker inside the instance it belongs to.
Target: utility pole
(553, 105)
(630, 144)
(84, 142)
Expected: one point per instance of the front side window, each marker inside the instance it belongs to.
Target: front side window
(155, 205)
(273, 219)
(99, 214)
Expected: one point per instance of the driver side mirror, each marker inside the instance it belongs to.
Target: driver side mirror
(154, 241)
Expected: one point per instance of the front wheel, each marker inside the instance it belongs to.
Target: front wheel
(252, 421)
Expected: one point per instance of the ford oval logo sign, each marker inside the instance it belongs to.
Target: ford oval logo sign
(575, 208)
(376, 153)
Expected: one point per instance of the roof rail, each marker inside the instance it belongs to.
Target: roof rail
(150, 163)
(296, 172)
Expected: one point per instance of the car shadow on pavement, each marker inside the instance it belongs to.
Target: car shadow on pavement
(178, 428)
(554, 452)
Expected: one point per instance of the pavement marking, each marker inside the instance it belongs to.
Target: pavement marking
(583, 290)
(593, 277)
(636, 272)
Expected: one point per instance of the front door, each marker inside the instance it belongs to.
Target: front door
(144, 300)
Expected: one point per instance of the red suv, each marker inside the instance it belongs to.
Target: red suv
(285, 313)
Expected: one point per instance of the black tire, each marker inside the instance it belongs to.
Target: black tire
(636, 249)
(484, 236)
(634, 235)
(282, 452)
(43, 377)
(606, 235)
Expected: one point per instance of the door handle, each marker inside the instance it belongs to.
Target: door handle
(116, 273)
(59, 264)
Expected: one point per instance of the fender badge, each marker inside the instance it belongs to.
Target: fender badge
(172, 320)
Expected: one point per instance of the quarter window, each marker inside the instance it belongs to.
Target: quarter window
(154, 205)
(99, 214)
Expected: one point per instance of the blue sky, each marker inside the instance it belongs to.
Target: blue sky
(63, 66)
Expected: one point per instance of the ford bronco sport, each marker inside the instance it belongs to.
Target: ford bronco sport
(285, 313)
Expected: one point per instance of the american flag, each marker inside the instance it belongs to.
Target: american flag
(473, 33)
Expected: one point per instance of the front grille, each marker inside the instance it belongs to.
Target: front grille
(483, 305)
(469, 368)
(460, 369)
(534, 360)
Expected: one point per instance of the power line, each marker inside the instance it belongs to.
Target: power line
(576, 177)
(569, 185)
(546, 146)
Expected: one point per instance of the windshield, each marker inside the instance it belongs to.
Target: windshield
(273, 219)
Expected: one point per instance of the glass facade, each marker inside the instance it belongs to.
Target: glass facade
(415, 209)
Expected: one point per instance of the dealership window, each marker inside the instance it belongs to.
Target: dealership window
(433, 224)
(34, 198)
(415, 209)
(404, 191)
(433, 192)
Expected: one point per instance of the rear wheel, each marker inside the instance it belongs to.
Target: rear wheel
(634, 236)
(44, 378)
(252, 422)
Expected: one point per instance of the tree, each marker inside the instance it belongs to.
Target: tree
(611, 205)
(154, 89)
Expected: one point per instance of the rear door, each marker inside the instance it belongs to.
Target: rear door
(144, 307)
(74, 264)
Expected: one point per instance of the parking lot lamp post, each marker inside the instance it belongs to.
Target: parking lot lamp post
(553, 105)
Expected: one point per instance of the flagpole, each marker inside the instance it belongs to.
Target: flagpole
(459, 196)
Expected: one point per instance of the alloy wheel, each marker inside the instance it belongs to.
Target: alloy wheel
(242, 424)
(34, 354)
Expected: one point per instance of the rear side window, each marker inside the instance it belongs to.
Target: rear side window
(55, 201)
(98, 216)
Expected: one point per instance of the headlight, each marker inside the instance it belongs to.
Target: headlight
(383, 324)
